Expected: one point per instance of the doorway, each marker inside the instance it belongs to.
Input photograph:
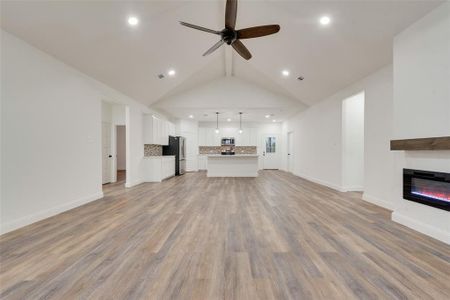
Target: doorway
(290, 152)
(353, 143)
(270, 152)
(114, 142)
(121, 162)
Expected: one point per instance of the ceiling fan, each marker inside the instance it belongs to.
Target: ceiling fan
(231, 36)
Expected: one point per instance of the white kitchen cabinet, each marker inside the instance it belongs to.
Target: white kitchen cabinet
(212, 138)
(171, 129)
(202, 137)
(148, 129)
(253, 137)
(158, 168)
(229, 132)
(243, 139)
(168, 166)
(208, 136)
(157, 131)
(202, 162)
(164, 133)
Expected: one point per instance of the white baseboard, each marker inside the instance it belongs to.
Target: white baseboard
(377, 201)
(319, 181)
(352, 188)
(27, 220)
(422, 227)
(131, 184)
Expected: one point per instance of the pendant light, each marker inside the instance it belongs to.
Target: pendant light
(217, 122)
(240, 122)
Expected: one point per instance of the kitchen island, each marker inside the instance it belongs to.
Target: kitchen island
(239, 165)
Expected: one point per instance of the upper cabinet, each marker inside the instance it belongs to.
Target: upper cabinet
(202, 136)
(209, 137)
(253, 137)
(171, 127)
(157, 131)
(243, 139)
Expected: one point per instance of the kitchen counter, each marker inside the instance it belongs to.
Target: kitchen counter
(239, 165)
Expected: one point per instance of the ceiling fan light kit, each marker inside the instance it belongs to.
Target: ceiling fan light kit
(231, 36)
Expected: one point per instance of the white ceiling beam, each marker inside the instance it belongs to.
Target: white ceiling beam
(228, 61)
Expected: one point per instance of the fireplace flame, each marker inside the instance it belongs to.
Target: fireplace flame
(433, 194)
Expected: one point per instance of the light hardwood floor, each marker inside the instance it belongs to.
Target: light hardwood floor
(191, 237)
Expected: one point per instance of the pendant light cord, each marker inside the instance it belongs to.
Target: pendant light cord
(217, 120)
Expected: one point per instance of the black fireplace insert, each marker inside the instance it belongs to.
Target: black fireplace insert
(429, 188)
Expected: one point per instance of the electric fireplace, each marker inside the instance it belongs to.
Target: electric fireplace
(429, 188)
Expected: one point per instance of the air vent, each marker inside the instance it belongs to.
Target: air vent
(160, 76)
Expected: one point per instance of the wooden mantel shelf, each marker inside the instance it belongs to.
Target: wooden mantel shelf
(432, 143)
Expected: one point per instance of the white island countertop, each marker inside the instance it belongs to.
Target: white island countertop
(238, 165)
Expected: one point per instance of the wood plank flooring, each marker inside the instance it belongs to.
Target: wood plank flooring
(192, 237)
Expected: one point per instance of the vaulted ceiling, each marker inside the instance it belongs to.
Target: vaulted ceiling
(94, 37)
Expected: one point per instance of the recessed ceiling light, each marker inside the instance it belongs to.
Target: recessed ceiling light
(324, 20)
(191, 116)
(285, 73)
(171, 72)
(228, 120)
(267, 116)
(133, 21)
(274, 120)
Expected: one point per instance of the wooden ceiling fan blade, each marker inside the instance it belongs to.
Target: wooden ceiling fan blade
(214, 48)
(257, 31)
(199, 27)
(241, 49)
(230, 14)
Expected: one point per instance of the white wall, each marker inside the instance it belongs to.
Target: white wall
(51, 139)
(134, 145)
(121, 147)
(318, 135)
(422, 77)
(379, 161)
(353, 143)
(409, 100)
(422, 109)
(51, 135)
(317, 141)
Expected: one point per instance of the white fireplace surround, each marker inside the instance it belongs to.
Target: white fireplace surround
(426, 219)
(422, 109)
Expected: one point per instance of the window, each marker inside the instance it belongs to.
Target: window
(271, 144)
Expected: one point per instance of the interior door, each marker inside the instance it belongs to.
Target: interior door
(106, 152)
(270, 146)
(290, 152)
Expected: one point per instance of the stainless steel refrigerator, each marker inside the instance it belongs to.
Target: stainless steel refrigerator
(177, 147)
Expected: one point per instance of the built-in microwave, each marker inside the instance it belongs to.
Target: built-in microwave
(228, 141)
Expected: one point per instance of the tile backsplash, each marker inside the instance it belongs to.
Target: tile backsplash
(218, 149)
(152, 150)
